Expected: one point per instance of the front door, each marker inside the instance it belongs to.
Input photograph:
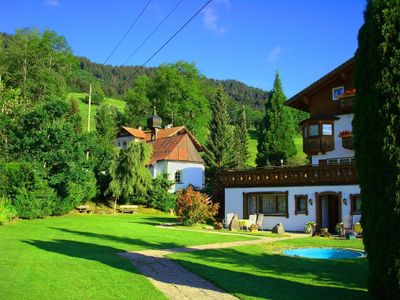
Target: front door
(328, 210)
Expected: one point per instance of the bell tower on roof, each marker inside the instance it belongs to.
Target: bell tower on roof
(154, 123)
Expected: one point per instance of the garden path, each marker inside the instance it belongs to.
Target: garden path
(178, 283)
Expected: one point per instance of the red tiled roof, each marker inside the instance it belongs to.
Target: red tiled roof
(178, 147)
(135, 132)
(169, 132)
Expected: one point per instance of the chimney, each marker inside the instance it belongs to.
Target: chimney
(139, 127)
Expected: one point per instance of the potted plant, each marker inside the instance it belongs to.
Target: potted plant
(340, 228)
(309, 227)
(253, 228)
(347, 139)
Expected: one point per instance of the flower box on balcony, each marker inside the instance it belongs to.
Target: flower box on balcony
(348, 142)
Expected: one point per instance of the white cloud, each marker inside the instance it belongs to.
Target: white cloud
(210, 17)
(274, 55)
(52, 2)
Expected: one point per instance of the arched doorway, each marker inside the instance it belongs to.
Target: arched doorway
(328, 210)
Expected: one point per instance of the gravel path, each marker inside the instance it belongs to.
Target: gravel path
(175, 281)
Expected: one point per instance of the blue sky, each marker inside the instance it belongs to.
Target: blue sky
(247, 40)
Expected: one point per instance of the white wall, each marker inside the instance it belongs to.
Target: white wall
(123, 139)
(191, 173)
(234, 203)
(344, 123)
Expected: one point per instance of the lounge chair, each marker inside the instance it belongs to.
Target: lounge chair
(259, 223)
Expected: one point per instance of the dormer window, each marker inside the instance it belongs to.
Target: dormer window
(337, 91)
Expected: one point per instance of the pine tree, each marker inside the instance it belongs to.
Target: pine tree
(241, 142)
(219, 145)
(276, 131)
(376, 127)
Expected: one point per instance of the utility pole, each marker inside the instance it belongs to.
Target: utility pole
(90, 102)
(88, 119)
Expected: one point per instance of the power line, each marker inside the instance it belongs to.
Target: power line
(151, 34)
(126, 33)
(179, 30)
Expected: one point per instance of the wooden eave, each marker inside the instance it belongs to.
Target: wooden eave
(301, 100)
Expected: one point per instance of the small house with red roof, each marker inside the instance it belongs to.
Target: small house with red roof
(175, 150)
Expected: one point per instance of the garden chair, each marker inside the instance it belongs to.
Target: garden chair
(260, 219)
(253, 219)
(348, 223)
(228, 219)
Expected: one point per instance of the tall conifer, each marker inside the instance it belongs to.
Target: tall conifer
(241, 142)
(276, 131)
(376, 128)
(219, 144)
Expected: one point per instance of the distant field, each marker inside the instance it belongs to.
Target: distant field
(83, 107)
(298, 141)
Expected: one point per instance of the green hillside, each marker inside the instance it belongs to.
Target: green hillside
(83, 107)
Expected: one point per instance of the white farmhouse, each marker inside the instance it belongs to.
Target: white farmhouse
(325, 191)
(175, 150)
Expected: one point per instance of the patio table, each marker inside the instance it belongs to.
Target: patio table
(244, 223)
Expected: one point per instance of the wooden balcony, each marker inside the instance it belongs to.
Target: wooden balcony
(319, 144)
(291, 176)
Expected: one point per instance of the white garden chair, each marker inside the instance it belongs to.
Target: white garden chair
(228, 219)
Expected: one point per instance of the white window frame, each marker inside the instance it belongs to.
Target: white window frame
(334, 94)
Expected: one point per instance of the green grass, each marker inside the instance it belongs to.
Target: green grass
(298, 142)
(75, 256)
(83, 107)
(263, 272)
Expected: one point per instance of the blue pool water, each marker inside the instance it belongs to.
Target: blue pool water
(324, 253)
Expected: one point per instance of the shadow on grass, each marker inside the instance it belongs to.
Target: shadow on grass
(255, 275)
(152, 220)
(269, 287)
(125, 240)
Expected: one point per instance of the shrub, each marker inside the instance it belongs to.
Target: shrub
(7, 211)
(25, 185)
(159, 195)
(193, 207)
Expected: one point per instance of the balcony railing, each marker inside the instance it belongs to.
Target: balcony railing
(319, 144)
(291, 176)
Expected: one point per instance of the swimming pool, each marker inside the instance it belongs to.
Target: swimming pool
(324, 253)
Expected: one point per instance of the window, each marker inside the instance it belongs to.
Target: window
(305, 132)
(119, 144)
(270, 204)
(337, 91)
(314, 130)
(178, 177)
(301, 204)
(355, 201)
(124, 145)
(327, 129)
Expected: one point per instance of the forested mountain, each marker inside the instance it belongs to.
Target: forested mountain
(117, 80)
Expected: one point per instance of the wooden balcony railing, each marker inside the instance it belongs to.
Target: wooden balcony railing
(291, 176)
(319, 144)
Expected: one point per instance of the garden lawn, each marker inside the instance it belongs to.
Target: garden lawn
(262, 272)
(75, 256)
